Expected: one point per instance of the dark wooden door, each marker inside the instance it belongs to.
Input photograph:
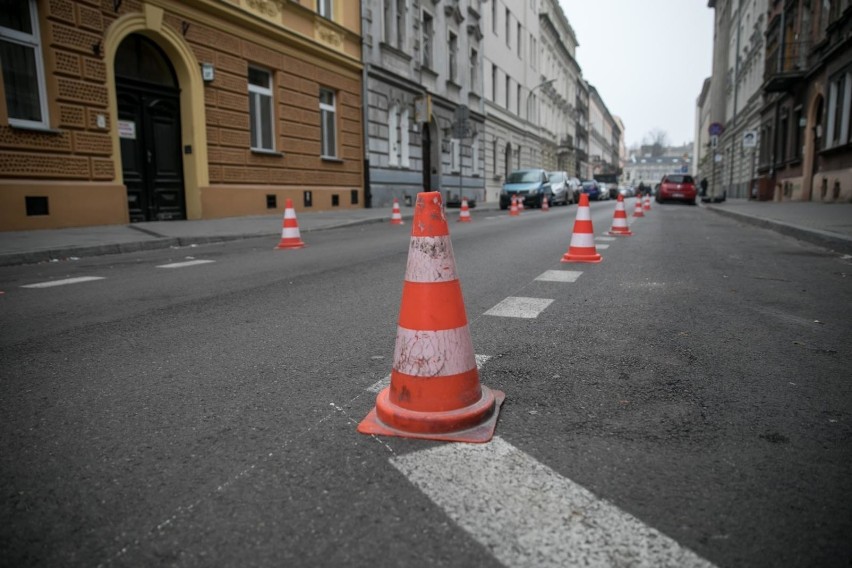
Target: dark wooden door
(150, 134)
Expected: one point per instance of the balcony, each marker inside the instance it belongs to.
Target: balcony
(786, 66)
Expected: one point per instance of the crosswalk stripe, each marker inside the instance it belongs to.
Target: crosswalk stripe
(602, 247)
(385, 382)
(518, 307)
(185, 264)
(559, 276)
(605, 239)
(53, 283)
(526, 514)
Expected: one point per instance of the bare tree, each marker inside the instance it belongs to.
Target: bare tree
(656, 141)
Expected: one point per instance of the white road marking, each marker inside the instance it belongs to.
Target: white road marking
(559, 276)
(602, 247)
(186, 263)
(526, 514)
(605, 239)
(385, 382)
(517, 307)
(53, 283)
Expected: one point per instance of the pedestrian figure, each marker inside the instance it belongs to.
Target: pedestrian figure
(703, 185)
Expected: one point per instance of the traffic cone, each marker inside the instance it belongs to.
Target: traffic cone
(290, 237)
(545, 206)
(434, 391)
(464, 213)
(513, 210)
(637, 211)
(396, 216)
(520, 204)
(582, 247)
(619, 220)
(647, 204)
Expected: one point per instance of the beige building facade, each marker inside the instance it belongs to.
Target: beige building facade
(133, 110)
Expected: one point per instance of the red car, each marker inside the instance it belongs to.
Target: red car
(677, 186)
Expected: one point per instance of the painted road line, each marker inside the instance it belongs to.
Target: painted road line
(517, 307)
(53, 283)
(385, 382)
(605, 239)
(185, 264)
(526, 514)
(559, 276)
(602, 247)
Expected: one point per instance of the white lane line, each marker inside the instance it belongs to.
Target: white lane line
(559, 276)
(53, 283)
(385, 382)
(526, 514)
(605, 239)
(602, 247)
(517, 307)
(186, 263)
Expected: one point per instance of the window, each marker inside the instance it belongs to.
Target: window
(405, 160)
(428, 33)
(532, 51)
(494, 154)
(260, 109)
(325, 8)
(839, 104)
(474, 150)
(520, 42)
(455, 155)
(494, 7)
(328, 124)
(518, 100)
(23, 69)
(474, 70)
(387, 17)
(508, 28)
(454, 56)
(393, 136)
(494, 83)
(508, 90)
(400, 24)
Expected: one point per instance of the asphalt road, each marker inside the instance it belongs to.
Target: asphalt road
(694, 387)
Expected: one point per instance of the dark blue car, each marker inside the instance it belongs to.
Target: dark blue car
(592, 189)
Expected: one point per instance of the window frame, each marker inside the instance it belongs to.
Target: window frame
(257, 121)
(325, 8)
(427, 40)
(325, 111)
(31, 41)
(453, 56)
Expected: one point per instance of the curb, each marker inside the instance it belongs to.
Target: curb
(832, 241)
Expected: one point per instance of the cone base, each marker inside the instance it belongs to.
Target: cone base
(638, 214)
(590, 258)
(282, 246)
(620, 233)
(464, 220)
(397, 223)
(449, 426)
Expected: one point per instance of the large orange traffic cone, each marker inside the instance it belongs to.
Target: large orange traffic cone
(434, 391)
(637, 211)
(582, 247)
(513, 210)
(396, 216)
(619, 220)
(464, 213)
(545, 206)
(647, 203)
(290, 236)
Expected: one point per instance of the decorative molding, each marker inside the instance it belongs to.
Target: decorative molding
(328, 36)
(474, 30)
(453, 10)
(269, 9)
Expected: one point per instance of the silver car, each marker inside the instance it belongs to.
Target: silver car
(560, 184)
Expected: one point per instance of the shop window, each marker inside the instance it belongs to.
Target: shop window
(22, 65)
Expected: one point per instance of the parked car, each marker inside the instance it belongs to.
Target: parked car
(677, 186)
(560, 185)
(592, 189)
(530, 185)
(626, 192)
(576, 188)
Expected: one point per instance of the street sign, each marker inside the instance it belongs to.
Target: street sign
(423, 109)
(750, 139)
(461, 122)
(718, 157)
(715, 129)
(714, 141)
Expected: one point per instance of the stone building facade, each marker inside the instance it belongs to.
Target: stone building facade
(425, 108)
(156, 109)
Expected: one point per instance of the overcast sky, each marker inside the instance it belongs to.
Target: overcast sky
(647, 59)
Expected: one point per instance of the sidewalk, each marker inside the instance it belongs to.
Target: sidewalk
(24, 247)
(825, 224)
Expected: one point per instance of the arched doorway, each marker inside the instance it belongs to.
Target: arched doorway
(149, 127)
(507, 159)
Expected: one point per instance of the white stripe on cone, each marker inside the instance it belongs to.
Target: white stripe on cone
(433, 353)
(430, 259)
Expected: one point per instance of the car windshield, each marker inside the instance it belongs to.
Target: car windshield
(680, 179)
(588, 184)
(524, 176)
(555, 177)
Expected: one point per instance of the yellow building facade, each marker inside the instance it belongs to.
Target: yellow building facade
(115, 111)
